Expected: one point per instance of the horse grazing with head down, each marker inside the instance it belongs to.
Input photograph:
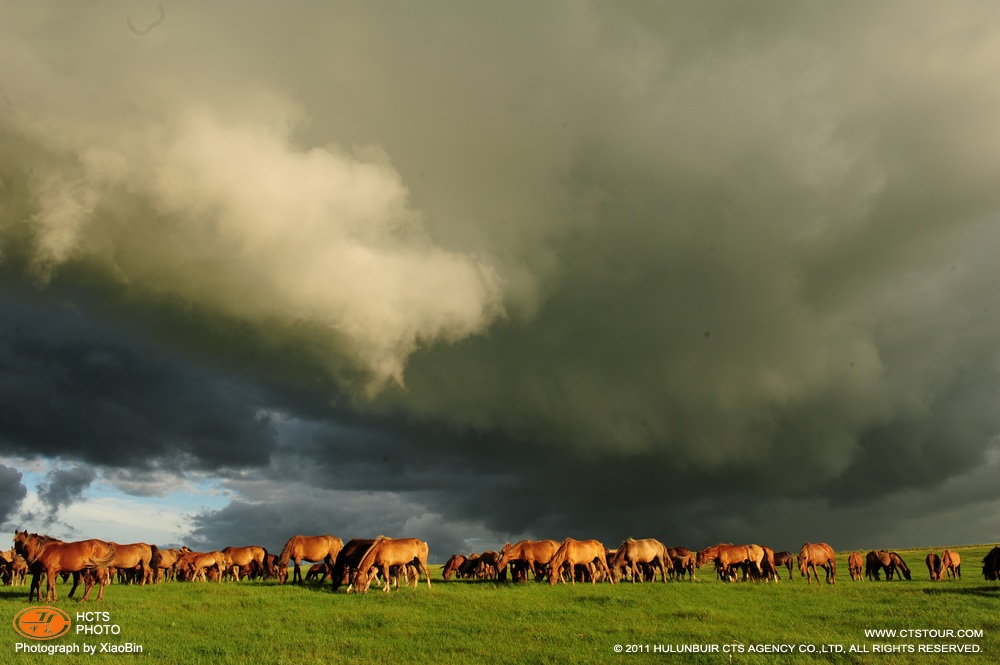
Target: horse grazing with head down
(933, 566)
(452, 566)
(856, 566)
(588, 553)
(898, 566)
(385, 553)
(631, 553)
(729, 558)
(53, 556)
(818, 554)
(307, 548)
(534, 554)
(951, 564)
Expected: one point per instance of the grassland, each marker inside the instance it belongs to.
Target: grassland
(471, 622)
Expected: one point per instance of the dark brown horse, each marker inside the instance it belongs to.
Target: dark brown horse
(307, 548)
(933, 566)
(951, 564)
(856, 566)
(387, 552)
(876, 561)
(319, 571)
(589, 553)
(345, 566)
(53, 557)
(818, 554)
(786, 559)
(535, 554)
(991, 565)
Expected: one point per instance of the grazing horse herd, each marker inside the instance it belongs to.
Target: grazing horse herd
(383, 560)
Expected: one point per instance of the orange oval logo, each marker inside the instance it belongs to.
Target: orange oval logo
(42, 623)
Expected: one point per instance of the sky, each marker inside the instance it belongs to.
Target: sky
(478, 272)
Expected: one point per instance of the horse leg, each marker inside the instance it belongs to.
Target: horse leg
(76, 583)
(385, 573)
(50, 586)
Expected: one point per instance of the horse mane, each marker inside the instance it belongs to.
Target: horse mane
(371, 548)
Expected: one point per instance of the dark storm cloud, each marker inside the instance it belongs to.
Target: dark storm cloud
(62, 487)
(78, 388)
(12, 491)
(524, 268)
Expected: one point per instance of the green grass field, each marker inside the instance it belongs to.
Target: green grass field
(471, 621)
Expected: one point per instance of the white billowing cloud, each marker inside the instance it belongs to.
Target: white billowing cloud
(236, 219)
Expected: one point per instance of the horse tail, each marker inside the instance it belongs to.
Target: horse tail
(264, 567)
(104, 561)
(155, 559)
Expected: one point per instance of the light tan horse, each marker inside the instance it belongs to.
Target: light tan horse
(589, 553)
(245, 556)
(818, 554)
(728, 557)
(387, 552)
(633, 552)
(197, 564)
(307, 548)
(534, 553)
(951, 563)
(134, 555)
(52, 557)
(856, 566)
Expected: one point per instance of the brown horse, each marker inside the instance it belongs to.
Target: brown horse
(249, 555)
(53, 557)
(818, 554)
(898, 566)
(951, 563)
(307, 548)
(164, 561)
(683, 561)
(589, 553)
(728, 557)
(876, 561)
(132, 556)
(633, 552)
(453, 565)
(197, 564)
(856, 566)
(318, 571)
(933, 566)
(535, 554)
(345, 566)
(387, 552)
(786, 559)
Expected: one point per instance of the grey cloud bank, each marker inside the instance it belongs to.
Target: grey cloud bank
(699, 272)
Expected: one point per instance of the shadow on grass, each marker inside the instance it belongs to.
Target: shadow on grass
(992, 591)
